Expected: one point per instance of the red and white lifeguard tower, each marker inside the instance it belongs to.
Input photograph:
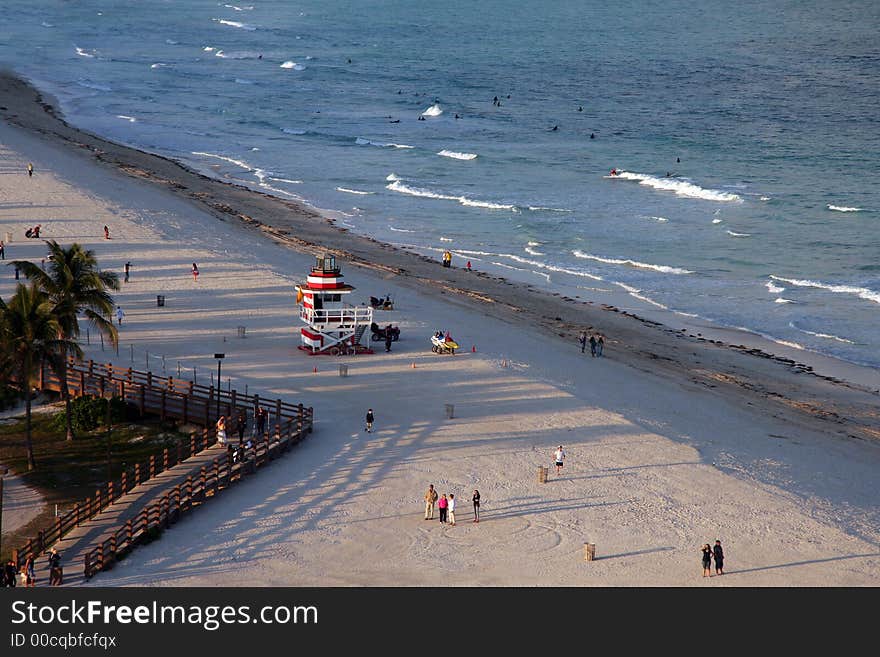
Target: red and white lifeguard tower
(334, 327)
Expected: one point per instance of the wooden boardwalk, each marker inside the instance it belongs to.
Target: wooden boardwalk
(150, 496)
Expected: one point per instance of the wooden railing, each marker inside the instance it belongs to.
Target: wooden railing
(168, 398)
(192, 493)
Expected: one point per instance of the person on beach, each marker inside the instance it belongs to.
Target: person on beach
(240, 425)
(447, 258)
(106, 232)
(582, 338)
(56, 572)
(127, 270)
(443, 505)
(2, 251)
(119, 315)
(707, 560)
(593, 345)
(718, 553)
(388, 338)
(430, 501)
(468, 265)
(221, 430)
(476, 500)
(600, 345)
(30, 577)
(9, 574)
(369, 427)
(452, 509)
(30, 170)
(559, 456)
(195, 272)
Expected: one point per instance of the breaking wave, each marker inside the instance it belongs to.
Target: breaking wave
(861, 292)
(843, 208)
(458, 156)
(293, 65)
(732, 234)
(827, 336)
(433, 110)
(632, 263)
(397, 186)
(773, 289)
(352, 191)
(679, 187)
(362, 141)
(241, 26)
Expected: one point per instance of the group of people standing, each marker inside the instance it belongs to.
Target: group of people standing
(709, 553)
(447, 258)
(596, 342)
(446, 505)
(12, 576)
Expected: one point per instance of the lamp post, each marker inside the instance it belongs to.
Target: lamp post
(2, 472)
(219, 358)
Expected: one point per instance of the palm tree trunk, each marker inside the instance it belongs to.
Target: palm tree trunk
(29, 445)
(65, 394)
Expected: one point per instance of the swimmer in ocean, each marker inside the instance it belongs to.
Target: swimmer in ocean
(556, 127)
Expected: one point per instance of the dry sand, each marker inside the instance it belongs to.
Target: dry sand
(671, 441)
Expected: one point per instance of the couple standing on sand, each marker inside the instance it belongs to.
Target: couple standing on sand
(597, 343)
(708, 554)
(447, 505)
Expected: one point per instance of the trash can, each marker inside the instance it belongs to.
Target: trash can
(450, 411)
(343, 370)
(542, 474)
(589, 551)
(241, 331)
(160, 300)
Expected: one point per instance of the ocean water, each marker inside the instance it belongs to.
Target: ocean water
(747, 135)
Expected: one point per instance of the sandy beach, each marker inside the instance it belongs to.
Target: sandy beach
(673, 439)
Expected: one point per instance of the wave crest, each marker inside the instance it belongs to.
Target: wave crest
(861, 292)
(632, 263)
(679, 187)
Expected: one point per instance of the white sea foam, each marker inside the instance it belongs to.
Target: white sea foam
(662, 220)
(352, 191)
(208, 49)
(861, 292)
(293, 65)
(238, 54)
(843, 208)
(239, 25)
(397, 186)
(543, 265)
(765, 198)
(45, 24)
(287, 180)
(362, 141)
(93, 85)
(130, 119)
(732, 234)
(391, 177)
(827, 336)
(446, 239)
(171, 42)
(85, 53)
(679, 186)
(400, 230)
(632, 263)
(539, 208)
(292, 131)
(534, 244)
(773, 289)
(638, 295)
(716, 221)
(243, 81)
(781, 300)
(158, 65)
(458, 156)
(433, 110)
(532, 251)
(236, 8)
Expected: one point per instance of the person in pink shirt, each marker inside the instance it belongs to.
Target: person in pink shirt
(443, 505)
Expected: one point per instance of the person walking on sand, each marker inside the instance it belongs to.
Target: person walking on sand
(106, 232)
(56, 572)
(707, 560)
(593, 345)
(221, 430)
(559, 455)
(2, 251)
(127, 271)
(388, 338)
(30, 170)
(119, 315)
(430, 501)
(369, 427)
(195, 272)
(30, 577)
(476, 499)
(718, 553)
(443, 505)
(452, 509)
(469, 265)
(582, 338)
(600, 345)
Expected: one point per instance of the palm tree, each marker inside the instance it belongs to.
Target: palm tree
(76, 286)
(29, 336)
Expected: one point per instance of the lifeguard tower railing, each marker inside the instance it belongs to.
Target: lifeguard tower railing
(329, 318)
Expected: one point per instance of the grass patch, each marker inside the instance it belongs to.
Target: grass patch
(69, 471)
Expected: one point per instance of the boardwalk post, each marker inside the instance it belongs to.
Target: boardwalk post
(58, 526)
(185, 409)
(128, 531)
(192, 443)
(82, 384)
(76, 513)
(101, 385)
(278, 410)
(123, 482)
(162, 413)
(179, 451)
(152, 466)
(164, 459)
(299, 419)
(137, 474)
(109, 492)
(203, 477)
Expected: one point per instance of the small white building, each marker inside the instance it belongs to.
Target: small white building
(333, 326)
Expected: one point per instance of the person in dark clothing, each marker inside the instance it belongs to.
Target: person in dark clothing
(127, 270)
(583, 340)
(719, 558)
(369, 427)
(600, 345)
(56, 573)
(707, 560)
(476, 500)
(388, 339)
(9, 573)
(592, 345)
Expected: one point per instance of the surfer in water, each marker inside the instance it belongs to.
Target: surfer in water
(554, 128)
(614, 172)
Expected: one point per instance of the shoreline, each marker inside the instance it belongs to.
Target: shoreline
(729, 360)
